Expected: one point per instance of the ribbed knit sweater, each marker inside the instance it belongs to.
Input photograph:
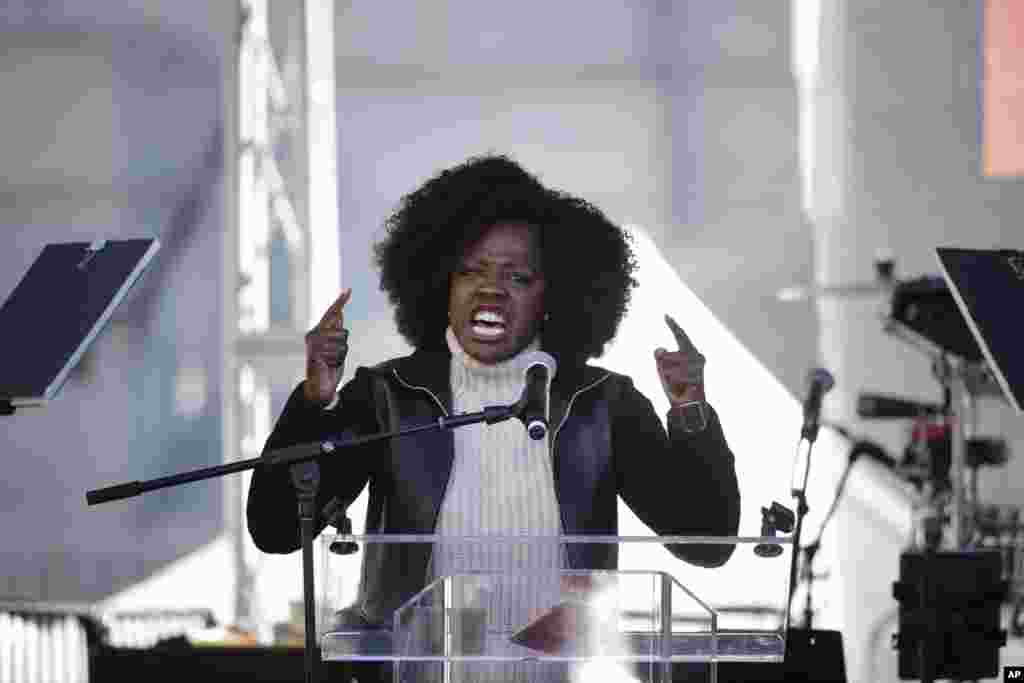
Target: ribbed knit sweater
(501, 481)
(501, 484)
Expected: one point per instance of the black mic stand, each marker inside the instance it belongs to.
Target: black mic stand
(809, 652)
(808, 435)
(303, 459)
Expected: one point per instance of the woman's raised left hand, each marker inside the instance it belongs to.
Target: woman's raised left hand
(681, 372)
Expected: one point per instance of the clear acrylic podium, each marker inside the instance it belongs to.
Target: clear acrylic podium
(524, 610)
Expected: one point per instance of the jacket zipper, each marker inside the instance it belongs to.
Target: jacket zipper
(554, 439)
(419, 388)
(448, 482)
(568, 409)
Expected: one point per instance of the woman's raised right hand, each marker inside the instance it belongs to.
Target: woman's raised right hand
(326, 348)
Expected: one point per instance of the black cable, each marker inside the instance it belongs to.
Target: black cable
(812, 548)
(835, 500)
(860, 447)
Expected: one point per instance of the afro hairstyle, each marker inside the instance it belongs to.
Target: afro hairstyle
(587, 260)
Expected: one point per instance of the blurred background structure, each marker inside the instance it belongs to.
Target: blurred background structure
(751, 144)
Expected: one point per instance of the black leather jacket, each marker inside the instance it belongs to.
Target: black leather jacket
(605, 440)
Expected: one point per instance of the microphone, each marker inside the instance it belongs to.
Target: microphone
(532, 407)
(820, 382)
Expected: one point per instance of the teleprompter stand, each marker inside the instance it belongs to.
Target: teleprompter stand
(302, 458)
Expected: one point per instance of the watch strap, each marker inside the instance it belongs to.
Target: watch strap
(693, 416)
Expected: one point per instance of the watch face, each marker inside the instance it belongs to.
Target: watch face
(694, 415)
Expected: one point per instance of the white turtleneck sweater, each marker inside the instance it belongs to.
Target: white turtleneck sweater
(501, 484)
(501, 481)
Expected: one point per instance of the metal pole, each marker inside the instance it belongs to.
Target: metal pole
(960, 402)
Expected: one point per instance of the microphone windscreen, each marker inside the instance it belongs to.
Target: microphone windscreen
(533, 358)
(823, 377)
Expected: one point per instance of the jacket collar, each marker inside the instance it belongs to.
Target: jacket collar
(430, 370)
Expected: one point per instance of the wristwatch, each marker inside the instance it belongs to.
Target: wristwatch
(693, 416)
(333, 403)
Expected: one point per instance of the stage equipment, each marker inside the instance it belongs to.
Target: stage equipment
(820, 382)
(875, 406)
(926, 306)
(949, 615)
(965, 323)
(336, 515)
(999, 528)
(58, 308)
(774, 519)
(988, 286)
(952, 585)
(936, 459)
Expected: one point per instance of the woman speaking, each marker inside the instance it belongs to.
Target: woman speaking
(485, 266)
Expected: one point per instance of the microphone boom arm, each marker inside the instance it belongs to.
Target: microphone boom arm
(292, 455)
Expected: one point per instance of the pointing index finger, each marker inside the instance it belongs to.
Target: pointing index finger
(684, 342)
(334, 313)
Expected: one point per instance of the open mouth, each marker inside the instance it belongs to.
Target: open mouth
(488, 324)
